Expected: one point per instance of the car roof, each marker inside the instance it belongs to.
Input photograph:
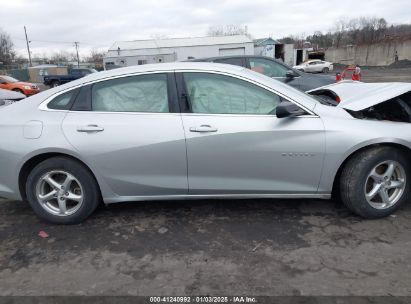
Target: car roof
(230, 57)
(171, 66)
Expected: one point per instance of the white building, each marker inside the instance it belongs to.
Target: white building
(137, 52)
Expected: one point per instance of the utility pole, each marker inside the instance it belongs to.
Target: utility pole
(28, 46)
(76, 44)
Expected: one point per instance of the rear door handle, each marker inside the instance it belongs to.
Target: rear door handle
(90, 129)
(203, 129)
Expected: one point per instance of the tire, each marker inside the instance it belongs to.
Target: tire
(55, 83)
(80, 196)
(368, 171)
(325, 70)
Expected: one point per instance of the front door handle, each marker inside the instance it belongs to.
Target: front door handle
(90, 129)
(203, 129)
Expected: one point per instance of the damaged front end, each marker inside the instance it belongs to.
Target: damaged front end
(377, 101)
(395, 109)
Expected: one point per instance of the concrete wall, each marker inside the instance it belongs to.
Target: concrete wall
(131, 57)
(371, 55)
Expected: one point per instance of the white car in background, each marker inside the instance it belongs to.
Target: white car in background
(315, 66)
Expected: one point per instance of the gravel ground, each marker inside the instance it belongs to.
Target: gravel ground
(250, 247)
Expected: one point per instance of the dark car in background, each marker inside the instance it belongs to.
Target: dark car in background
(56, 80)
(275, 69)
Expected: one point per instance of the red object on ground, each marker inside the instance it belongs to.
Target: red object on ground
(356, 74)
(43, 234)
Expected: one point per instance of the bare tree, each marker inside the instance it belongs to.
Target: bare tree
(357, 31)
(7, 52)
(339, 30)
(96, 56)
(61, 58)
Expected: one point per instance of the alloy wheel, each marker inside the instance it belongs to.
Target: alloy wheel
(59, 193)
(385, 184)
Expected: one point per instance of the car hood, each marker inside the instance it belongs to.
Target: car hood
(357, 96)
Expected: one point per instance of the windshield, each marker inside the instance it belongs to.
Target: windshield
(9, 79)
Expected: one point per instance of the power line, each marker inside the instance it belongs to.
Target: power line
(47, 41)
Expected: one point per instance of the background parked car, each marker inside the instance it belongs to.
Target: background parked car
(275, 69)
(315, 66)
(10, 83)
(9, 97)
(56, 80)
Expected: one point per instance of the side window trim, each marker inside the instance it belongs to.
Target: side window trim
(183, 99)
(173, 104)
(83, 99)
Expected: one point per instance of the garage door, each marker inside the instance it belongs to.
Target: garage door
(232, 51)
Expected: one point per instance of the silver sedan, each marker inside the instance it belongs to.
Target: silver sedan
(195, 130)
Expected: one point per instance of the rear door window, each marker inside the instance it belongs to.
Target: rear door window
(143, 93)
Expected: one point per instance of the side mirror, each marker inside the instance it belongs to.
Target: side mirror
(288, 109)
(290, 74)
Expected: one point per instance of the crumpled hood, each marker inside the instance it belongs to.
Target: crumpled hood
(357, 96)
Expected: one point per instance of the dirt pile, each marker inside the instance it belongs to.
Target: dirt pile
(404, 63)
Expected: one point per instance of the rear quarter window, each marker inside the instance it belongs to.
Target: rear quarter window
(63, 101)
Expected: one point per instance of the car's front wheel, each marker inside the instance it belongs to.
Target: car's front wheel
(374, 182)
(60, 190)
(325, 70)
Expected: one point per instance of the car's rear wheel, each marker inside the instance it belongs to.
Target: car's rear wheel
(325, 70)
(62, 191)
(55, 84)
(374, 182)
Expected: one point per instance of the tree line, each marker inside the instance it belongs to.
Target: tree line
(355, 31)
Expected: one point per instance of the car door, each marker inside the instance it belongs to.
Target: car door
(313, 66)
(273, 69)
(236, 144)
(129, 129)
(319, 66)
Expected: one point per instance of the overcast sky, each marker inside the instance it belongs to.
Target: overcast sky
(54, 24)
